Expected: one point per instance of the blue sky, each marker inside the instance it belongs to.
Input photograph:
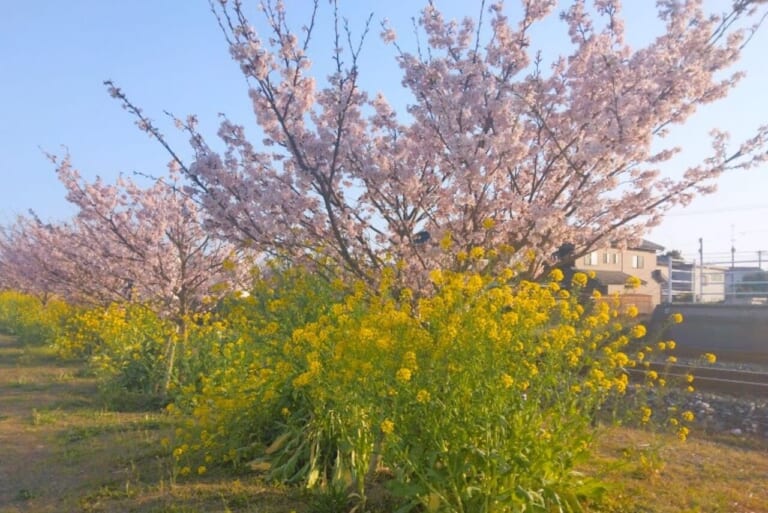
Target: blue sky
(170, 55)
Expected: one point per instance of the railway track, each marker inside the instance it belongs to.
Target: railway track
(737, 382)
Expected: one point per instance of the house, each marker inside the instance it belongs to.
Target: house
(613, 266)
(677, 278)
(690, 282)
(709, 284)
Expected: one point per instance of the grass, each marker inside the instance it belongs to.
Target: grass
(63, 451)
(654, 473)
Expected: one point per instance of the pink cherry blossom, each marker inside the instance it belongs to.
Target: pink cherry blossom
(543, 154)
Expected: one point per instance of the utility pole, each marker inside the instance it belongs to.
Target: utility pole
(733, 265)
(701, 271)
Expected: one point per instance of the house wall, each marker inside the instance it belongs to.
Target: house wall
(634, 262)
(709, 284)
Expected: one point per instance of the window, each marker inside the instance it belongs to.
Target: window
(610, 258)
(614, 258)
(591, 258)
(637, 261)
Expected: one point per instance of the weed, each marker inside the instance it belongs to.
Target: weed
(93, 500)
(41, 418)
(333, 500)
(24, 495)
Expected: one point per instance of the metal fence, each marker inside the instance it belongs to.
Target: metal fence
(738, 278)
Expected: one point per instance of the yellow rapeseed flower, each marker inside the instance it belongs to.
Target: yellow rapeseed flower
(638, 331)
(446, 242)
(423, 396)
(579, 280)
(403, 375)
(688, 416)
(556, 275)
(530, 255)
(477, 253)
(620, 359)
(633, 282)
(506, 380)
(632, 311)
(488, 223)
(710, 357)
(387, 427)
(676, 318)
(409, 360)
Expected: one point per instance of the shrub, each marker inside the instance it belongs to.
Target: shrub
(123, 346)
(31, 319)
(480, 395)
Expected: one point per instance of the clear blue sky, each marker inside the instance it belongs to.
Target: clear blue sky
(170, 54)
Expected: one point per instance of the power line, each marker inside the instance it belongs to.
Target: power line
(745, 208)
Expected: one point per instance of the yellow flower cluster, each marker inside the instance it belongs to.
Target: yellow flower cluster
(32, 320)
(438, 368)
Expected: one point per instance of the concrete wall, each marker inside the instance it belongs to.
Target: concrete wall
(736, 333)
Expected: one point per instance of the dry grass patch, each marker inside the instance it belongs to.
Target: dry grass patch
(648, 472)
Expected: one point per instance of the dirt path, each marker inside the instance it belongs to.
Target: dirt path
(61, 451)
(36, 394)
(57, 445)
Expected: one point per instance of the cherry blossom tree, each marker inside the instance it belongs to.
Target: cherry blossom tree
(125, 243)
(496, 148)
(45, 259)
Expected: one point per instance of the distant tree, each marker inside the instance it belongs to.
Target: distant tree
(496, 148)
(674, 254)
(756, 282)
(125, 243)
